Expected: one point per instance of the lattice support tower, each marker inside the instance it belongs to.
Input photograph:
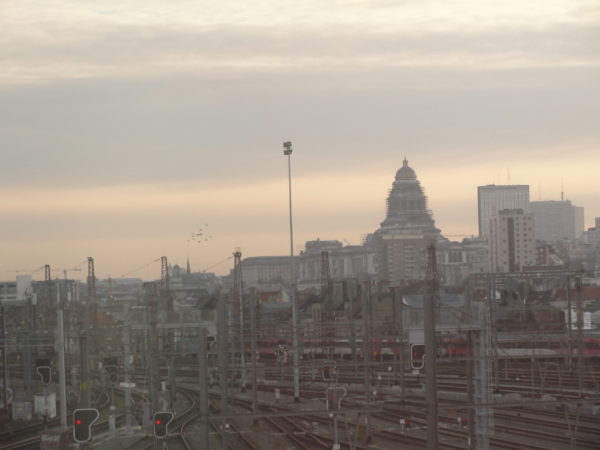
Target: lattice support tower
(239, 323)
(483, 373)
(91, 288)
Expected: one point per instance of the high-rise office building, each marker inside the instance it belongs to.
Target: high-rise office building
(402, 239)
(493, 198)
(512, 241)
(556, 220)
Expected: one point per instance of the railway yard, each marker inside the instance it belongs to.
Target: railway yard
(547, 411)
(345, 378)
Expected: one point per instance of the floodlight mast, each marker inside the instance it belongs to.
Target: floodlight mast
(287, 151)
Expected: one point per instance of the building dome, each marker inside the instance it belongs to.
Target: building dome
(405, 172)
(407, 203)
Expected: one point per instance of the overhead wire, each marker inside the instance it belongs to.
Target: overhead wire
(140, 268)
(217, 264)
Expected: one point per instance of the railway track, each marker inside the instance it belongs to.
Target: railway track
(28, 436)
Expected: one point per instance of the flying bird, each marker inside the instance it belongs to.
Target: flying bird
(200, 235)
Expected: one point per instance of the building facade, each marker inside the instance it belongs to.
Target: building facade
(512, 241)
(401, 241)
(457, 260)
(267, 269)
(556, 220)
(350, 261)
(592, 235)
(494, 198)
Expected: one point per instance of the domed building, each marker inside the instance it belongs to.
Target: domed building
(401, 241)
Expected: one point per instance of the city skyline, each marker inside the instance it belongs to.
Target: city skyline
(126, 128)
(222, 266)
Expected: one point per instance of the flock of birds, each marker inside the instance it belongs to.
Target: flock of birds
(200, 236)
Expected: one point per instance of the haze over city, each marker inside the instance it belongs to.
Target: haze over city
(125, 128)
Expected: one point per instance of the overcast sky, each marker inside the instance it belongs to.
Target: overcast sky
(125, 125)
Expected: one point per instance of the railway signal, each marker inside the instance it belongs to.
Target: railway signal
(417, 356)
(334, 396)
(329, 370)
(162, 419)
(83, 419)
(111, 370)
(45, 373)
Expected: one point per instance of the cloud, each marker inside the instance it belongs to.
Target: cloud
(126, 123)
(96, 132)
(131, 51)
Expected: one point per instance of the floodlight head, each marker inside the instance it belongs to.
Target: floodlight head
(287, 148)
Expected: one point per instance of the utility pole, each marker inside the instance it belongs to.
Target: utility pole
(62, 376)
(239, 287)
(469, 368)
(222, 349)
(429, 314)
(325, 280)
(127, 367)
(398, 319)
(366, 315)
(569, 324)
(5, 363)
(90, 322)
(580, 343)
(85, 392)
(91, 288)
(203, 391)
(482, 364)
(164, 305)
(151, 297)
(253, 350)
(28, 342)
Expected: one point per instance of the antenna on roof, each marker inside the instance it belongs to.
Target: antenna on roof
(562, 191)
(508, 176)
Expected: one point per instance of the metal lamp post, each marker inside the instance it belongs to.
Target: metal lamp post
(287, 151)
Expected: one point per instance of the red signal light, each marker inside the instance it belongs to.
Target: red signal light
(83, 419)
(162, 419)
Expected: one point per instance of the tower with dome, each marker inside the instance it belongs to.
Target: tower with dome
(408, 229)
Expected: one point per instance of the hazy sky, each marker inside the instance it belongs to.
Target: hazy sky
(127, 125)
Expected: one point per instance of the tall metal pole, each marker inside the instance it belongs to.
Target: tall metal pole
(151, 298)
(85, 392)
(367, 349)
(296, 351)
(240, 288)
(469, 368)
(5, 361)
(253, 350)
(203, 391)
(223, 366)
(580, 343)
(62, 376)
(430, 352)
(127, 366)
(569, 323)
